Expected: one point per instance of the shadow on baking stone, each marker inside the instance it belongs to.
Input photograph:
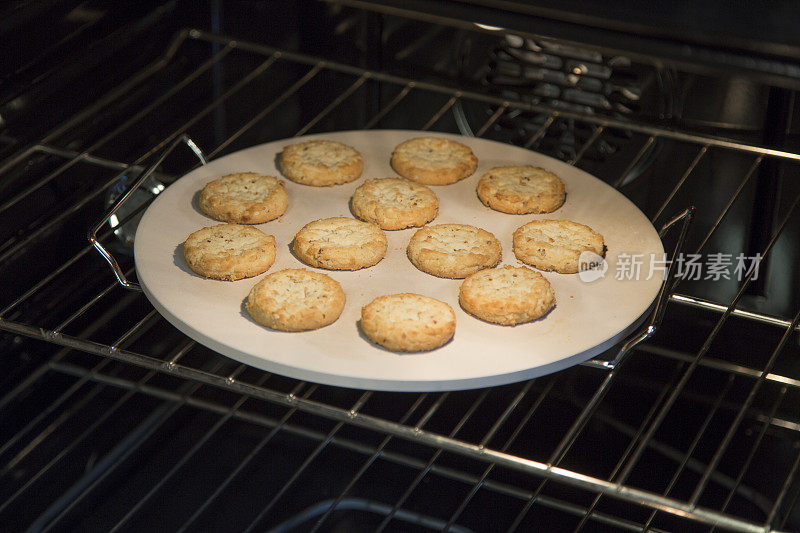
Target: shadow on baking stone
(180, 261)
(381, 348)
(196, 203)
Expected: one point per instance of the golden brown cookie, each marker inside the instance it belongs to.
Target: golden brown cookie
(507, 295)
(296, 300)
(453, 250)
(395, 203)
(244, 198)
(555, 244)
(321, 163)
(408, 322)
(340, 243)
(433, 161)
(521, 189)
(229, 252)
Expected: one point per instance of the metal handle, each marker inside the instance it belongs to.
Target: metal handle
(663, 294)
(92, 235)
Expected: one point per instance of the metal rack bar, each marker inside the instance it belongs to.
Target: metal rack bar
(129, 393)
(421, 398)
(525, 106)
(61, 399)
(681, 181)
(700, 303)
(436, 441)
(442, 110)
(267, 110)
(491, 120)
(488, 437)
(103, 469)
(643, 150)
(633, 440)
(541, 131)
(388, 518)
(244, 462)
(784, 489)
(706, 345)
(391, 105)
(590, 141)
(199, 443)
(751, 455)
(698, 491)
(353, 411)
(120, 90)
(336, 101)
(119, 129)
(250, 76)
(692, 446)
(353, 445)
(730, 203)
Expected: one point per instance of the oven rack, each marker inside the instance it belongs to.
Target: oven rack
(248, 385)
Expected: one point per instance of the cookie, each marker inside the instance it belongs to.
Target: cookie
(340, 243)
(296, 300)
(321, 163)
(229, 252)
(245, 198)
(433, 161)
(395, 203)
(555, 244)
(408, 322)
(508, 295)
(521, 189)
(453, 250)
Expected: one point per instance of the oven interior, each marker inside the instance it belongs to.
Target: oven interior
(111, 419)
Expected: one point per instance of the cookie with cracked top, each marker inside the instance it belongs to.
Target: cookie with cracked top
(229, 251)
(520, 190)
(395, 203)
(321, 163)
(408, 322)
(556, 244)
(244, 198)
(453, 250)
(507, 295)
(296, 300)
(433, 161)
(340, 243)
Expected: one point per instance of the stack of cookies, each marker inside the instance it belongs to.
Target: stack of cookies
(302, 299)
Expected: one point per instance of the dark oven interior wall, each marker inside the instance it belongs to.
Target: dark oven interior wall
(152, 426)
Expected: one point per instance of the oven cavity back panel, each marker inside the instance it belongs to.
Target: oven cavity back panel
(589, 317)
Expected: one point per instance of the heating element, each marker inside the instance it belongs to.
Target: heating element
(114, 420)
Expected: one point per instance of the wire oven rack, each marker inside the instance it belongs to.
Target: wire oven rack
(421, 433)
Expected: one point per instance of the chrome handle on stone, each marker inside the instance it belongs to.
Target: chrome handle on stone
(92, 234)
(685, 218)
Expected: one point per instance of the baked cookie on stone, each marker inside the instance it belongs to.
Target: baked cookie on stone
(408, 322)
(229, 252)
(296, 300)
(556, 244)
(321, 163)
(507, 295)
(453, 250)
(395, 203)
(518, 190)
(244, 198)
(433, 161)
(340, 243)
